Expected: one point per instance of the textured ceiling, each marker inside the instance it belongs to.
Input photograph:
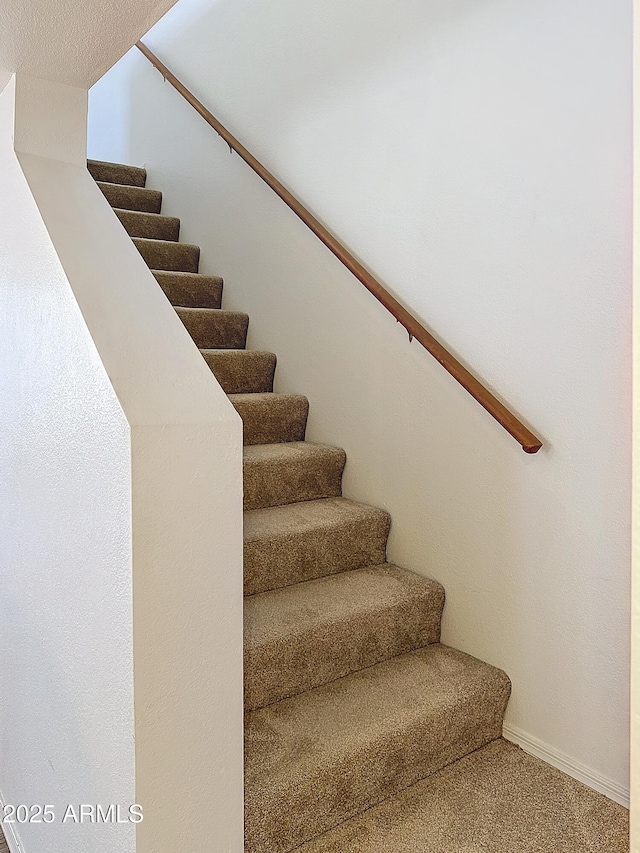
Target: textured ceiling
(72, 41)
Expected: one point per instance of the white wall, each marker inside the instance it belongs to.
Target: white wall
(66, 713)
(120, 518)
(477, 158)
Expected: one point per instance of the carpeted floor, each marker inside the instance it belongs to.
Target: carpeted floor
(496, 800)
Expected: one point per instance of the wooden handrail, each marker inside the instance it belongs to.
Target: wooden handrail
(530, 443)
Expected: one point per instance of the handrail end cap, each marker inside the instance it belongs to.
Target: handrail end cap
(532, 448)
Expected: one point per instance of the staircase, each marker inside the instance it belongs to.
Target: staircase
(363, 733)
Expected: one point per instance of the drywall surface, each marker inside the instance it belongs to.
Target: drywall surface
(70, 41)
(137, 528)
(65, 520)
(477, 158)
(5, 77)
(635, 599)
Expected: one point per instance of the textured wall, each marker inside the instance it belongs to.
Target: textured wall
(120, 519)
(65, 550)
(70, 41)
(477, 158)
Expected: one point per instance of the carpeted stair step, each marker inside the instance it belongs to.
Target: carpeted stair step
(190, 289)
(212, 328)
(309, 634)
(132, 198)
(271, 418)
(151, 225)
(499, 799)
(166, 255)
(288, 472)
(322, 757)
(285, 545)
(117, 173)
(242, 371)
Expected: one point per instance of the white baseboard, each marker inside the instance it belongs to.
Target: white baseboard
(567, 765)
(11, 837)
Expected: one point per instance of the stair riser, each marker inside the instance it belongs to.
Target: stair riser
(163, 255)
(201, 292)
(281, 482)
(277, 670)
(132, 198)
(300, 556)
(215, 329)
(113, 173)
(281, 419)
(149, 226)
(243, 372)
(279, 819)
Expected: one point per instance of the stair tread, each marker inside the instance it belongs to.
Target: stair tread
(180, 275)
(269, 418)
(288, 472)
(311, 633)
(293, 451)
(294, 610)
(117, 173)
(127, 197)
(168, 255)
(284, 545)
(209, 314)
(163, 244)
(265, 397)
(308, 516)
(214, 327)
(190, 289)
(364, 706)
(149, 225)
(240, 354)
(187, 311)
(321, 757)
(143, 214)
(497, 800)
(242, 371)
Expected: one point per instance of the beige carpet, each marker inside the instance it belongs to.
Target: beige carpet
(496, 800)
(350, 697)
